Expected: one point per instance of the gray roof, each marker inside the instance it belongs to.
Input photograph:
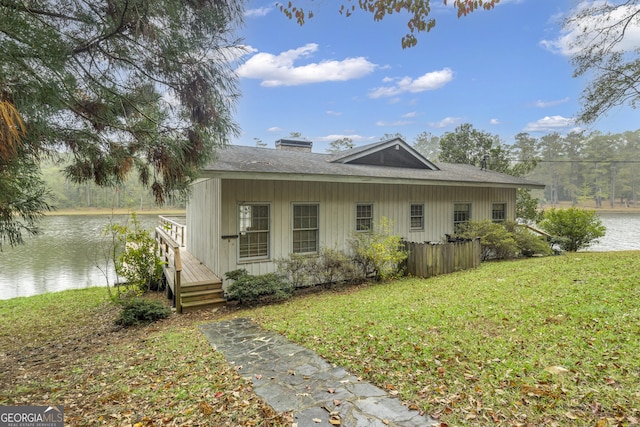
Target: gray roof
(240, 162)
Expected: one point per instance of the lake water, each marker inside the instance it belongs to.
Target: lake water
(70, 253)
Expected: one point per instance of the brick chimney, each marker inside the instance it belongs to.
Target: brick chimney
(294, 145)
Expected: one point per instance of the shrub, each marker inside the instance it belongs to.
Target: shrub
(529, 243)
(333, 266)
(249, 289)
(504, 240)
(138, 263)
(328, 267)
(574, 228)
(139, 310)
(378, 252)
(297, 268)
(496, 241)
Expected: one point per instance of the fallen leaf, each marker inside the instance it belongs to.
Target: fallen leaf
(334, 420)
(571, 416)
(317, 420)
(331, 390)
(556, 370)
(337, 402)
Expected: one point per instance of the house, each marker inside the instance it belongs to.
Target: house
(255, 205)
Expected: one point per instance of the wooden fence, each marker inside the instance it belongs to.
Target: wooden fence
(431, 259)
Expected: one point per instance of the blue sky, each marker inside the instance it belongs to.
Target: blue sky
(503, 71)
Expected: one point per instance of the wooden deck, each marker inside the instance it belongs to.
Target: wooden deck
(190, 284)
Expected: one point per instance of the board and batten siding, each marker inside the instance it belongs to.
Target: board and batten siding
(213, 213)
(203, 224)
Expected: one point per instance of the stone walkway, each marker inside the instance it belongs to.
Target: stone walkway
(292, 378)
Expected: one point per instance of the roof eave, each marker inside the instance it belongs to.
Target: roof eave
(279, 176)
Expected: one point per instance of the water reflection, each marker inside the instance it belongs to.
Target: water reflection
(623, 233)
(70, 253)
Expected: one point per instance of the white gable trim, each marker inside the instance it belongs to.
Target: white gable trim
(383, 145)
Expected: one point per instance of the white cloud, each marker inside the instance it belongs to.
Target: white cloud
(429, 81)
(261, 11)
(572, 38)
(446, 122)
(494, 121)
(410, 115)
(279, 70)
(544, 104)
(333, 113)
(549, 124)
(275, 129)
(396, 123)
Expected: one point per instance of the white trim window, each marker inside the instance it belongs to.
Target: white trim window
(416, 218)
(253, 221)
(498, 212)
(461, 215)
(364, 217)
(305, 228)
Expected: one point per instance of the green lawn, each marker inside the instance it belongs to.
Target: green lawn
(544, 341)
(540, 342)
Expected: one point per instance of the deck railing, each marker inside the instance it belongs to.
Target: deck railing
(169, 252)
(174, 227)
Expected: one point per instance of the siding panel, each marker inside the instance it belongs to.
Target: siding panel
(216, 198)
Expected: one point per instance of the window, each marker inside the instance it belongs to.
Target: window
(461, 214)
(499, 212)
(305, 228)
(254, 231)
(364, 217)
(417, 217)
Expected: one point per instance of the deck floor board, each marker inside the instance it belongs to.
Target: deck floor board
(193, 271)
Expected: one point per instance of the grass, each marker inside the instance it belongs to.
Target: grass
(539, 342)
(63, 348)
(551, 341)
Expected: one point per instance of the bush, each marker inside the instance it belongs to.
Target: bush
(297, 268)
(138, 263)
(378, 252)
(137, 311)
(529, 243)
(504, 240)
(329, 267)
(496, 241)
(574, 228)
(333, 266)
(249, 289)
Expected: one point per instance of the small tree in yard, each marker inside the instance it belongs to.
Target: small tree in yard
(378, 251)
(575, 228)
(138, 263)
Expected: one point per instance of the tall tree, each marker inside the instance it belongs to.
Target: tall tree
(128, 85)
(605, 51)
(418, 10)
(471, 146)
(341, 144)
(388, 136)
(428, 145)
(124, 85)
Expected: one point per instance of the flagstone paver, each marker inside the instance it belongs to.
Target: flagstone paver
(292, 378)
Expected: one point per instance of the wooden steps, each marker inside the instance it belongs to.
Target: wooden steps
(200, 295)
(190, 283)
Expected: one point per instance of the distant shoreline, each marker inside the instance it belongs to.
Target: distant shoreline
(120, 211)
(606, 208)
